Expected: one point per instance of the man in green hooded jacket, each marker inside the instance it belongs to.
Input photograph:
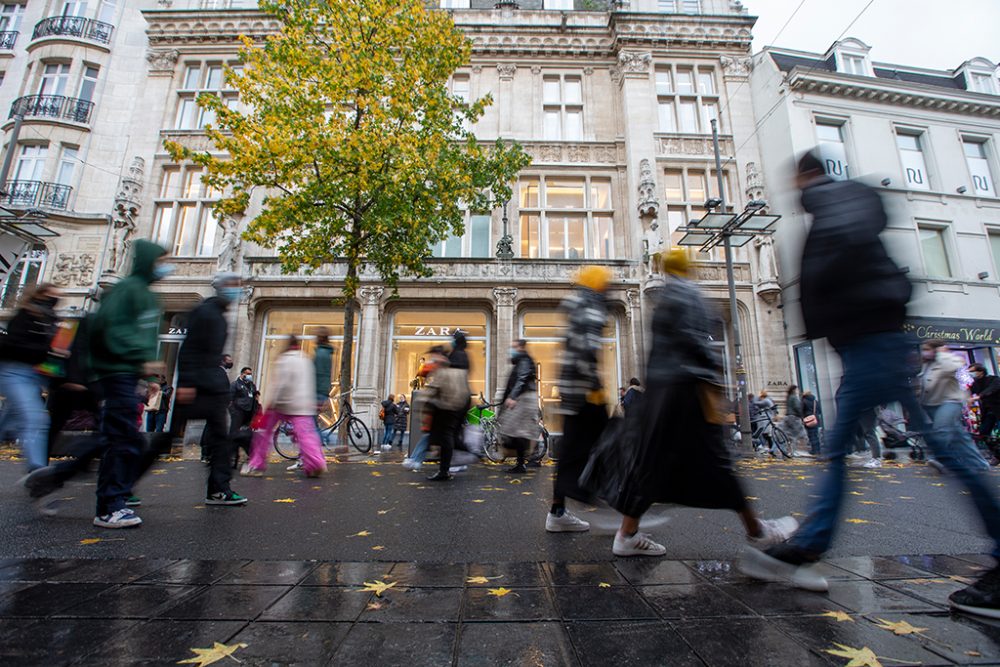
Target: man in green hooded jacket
(123, 342)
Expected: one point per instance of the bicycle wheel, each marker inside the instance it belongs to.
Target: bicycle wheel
(780, 439)
(541, 449)
(284, 441)
(359, 435)
(491, 443)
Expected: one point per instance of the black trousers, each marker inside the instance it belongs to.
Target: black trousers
(443, 435)
(125, 445)
(61, 405)
(214, 409)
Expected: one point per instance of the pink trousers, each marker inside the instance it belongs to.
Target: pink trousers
(310, 450)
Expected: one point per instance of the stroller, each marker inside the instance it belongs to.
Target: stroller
(892, 430)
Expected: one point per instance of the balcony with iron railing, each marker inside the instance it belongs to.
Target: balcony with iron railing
(52, 106)
(74, 26)
(7, 40)
(36, 194)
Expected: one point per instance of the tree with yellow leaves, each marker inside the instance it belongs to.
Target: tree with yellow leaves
(347, 123)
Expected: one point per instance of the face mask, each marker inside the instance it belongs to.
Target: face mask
(227, 365)
(230, 294)
(928, 355)
(248, 378)
(161, 271)
(513, 354)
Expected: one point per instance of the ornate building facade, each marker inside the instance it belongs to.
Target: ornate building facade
(613, 104)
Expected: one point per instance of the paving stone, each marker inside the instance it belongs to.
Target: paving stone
(868, 596)
(946, 565)
(583, 574)
(159, 642)
(198, 572)
(411, 644)
(877, 567)
(596, 603)
(131, 601)
(37, 569)
(118, 571)
(429, 575)
(780, 600)
(509, 574)
(934, 590)
(287, 644)
(414, 604)
(46, 599)
(319, 603)
(693, 601)
(956, 637)
(33, 642)
(269, 572)
(747, 642)
(645, 571)
(228, 602)
(717, 571)
(631, 644)
(521, 604)
(347, 574)
(514, 645)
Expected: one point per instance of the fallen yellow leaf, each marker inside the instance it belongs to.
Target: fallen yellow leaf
(90, 540)
(377, 587)
(285, 500)
(378, 547)
(604, 585)
(500, 592)
(839, 616)
(207, 656)
(376, 473)
(479, 500)
(360, 533)
(899, 627)
(481, 579)
(860, 657)
(857, 520)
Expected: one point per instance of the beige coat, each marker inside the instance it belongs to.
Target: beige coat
(938, 382)
(292, 385)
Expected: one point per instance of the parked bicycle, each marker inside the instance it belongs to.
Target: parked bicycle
(765, 433)
(485, 416)
(358, 434)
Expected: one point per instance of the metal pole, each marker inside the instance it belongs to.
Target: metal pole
(734, 323)
(8, 157)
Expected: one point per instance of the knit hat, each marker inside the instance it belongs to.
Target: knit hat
(594, 277)
(676, 262)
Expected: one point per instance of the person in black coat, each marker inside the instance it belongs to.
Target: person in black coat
(986, 389)
(519, 416)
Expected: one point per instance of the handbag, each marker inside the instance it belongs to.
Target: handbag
(810, 421)
(713, 403)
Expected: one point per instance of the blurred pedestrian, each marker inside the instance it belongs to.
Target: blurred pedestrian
(810, 419)
(672, 446)
(123, 350)
(943, 397)
(792, 423)
(447, 399)
(985, 389)
(632, 394)
(226, 363)
(154, 397)
(388, 416)
(203, 389)
(458, 359)
(292, 398)
(323, 363)
(25, 346)
(855, 296)
(435, 357)
(402, 418)
(167, 393)
(518, 419)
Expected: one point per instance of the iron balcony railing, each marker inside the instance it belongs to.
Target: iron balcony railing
(52, 106)
(37, 194)
(74, 26)
(7, 40)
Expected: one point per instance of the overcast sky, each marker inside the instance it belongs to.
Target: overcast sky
(941, 34)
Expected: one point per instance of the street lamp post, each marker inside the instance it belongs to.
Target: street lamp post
(505, 246)
(730, 230)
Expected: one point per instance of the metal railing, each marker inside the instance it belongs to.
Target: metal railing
(52, 106)
(74, 26)
(31, 194)
(7, 40)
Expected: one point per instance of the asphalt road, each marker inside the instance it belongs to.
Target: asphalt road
(379, 511)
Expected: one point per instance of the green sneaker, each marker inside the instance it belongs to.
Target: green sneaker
(133, 501)
(227, 498)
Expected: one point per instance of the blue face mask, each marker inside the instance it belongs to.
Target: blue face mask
(513, 353)
(161, 271)
(230, 294)
(248, 378)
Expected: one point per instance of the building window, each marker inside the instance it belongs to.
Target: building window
(74, 8)
(563, 5)
(67, 165)
(687, 99)
(88, 84)
(475, 242)
(10, 18)
(566, 217)
(107, 11)
(854, 64)
(562, 100)
(54, 79)
(201, 78)
(31, 163)
(980, 82)
(686, 193)
(414, 331)
(911, 155)
(454, 4)
(994, 236)
(683, 6)
(935, 252)
(979, 166)
(27, 272)
(832, 148)
(183, 220)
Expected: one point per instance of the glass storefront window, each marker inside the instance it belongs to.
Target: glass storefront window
(416, 331)
(544, 332)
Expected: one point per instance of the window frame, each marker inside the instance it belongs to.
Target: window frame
(923, 149)
(177, 199)
(466, 239)
(36, 255)
(847, 55)
(692, 208)
(197, 118)
(944, 230)
(988, 156)
(843, 128)
(542, 212)
(562, 108)
(673, 99)
(12, 19)
(993, 232)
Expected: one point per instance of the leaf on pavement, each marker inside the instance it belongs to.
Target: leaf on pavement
(360, 533)
(377, 587)
(839, 616)
(604, 584)
(500, 592)
(479, 500)
(859, 657)
(378, 547)
(285, 500)
(376, 473)
(898, 627)
(481, 579)
(857, 521)
(90, 540)
(208, 656)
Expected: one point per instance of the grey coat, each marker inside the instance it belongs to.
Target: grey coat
(681, 346)
(587, 312)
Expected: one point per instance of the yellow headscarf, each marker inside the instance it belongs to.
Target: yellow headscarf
(676, 262)
(596, 278)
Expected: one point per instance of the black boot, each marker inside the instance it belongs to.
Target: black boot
(981, 598)
(518, 469)
(439, 476)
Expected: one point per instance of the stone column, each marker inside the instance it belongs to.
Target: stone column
(505, 332)
(505, 96)
(633, 317)
(369, 350)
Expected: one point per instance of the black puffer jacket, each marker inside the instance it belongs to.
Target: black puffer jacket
(29, 334)
(521, 378)
(988, 390)
(201, 354)
(850, 286)
(459, 358)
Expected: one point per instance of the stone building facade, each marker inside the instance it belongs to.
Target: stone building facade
(927, 140)
(612, 103)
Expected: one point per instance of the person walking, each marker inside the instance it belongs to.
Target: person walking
(25, 346)
(123, 342)
(435, 358)
(226, 364)
(856, 297)
(203, 389)
(388, 417)
(323, 364)
(448, 398)
(943, 397)
(671, 447)
(402, 418)
(458, 359)
(811, 420)
(985, 389)
(792, 423)
(291, 397)
(154, 399)
(166, 393)
(243, 397)
(518, 419)
(632, 395)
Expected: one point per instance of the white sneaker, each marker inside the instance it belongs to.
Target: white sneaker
(857, 456)
(454, 469)
(567, 523)
(873, 463)
(774, 531)
(247, 471)
(410, 464)
(758, 565)
(123, 518)
(640, 544)
(295, 466)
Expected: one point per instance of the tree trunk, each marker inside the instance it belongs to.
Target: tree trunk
(346, 381)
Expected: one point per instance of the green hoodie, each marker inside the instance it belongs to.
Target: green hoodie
(125, 327)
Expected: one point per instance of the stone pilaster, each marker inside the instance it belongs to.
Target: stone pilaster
(505, 330)
(369, 348)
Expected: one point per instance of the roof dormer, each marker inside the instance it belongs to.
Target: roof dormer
(851, 57)
(981, 76)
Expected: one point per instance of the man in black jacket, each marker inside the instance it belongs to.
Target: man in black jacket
(855, 296)
(986, 389)
(203, 390)
(519, 417)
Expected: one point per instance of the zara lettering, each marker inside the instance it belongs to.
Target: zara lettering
(434, 331)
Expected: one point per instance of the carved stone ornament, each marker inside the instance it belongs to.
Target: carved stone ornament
(767, 268)
(649, 205)
(587, 71)
(74, 269)
(736, 66)
(162, 61)
(634, 62)
(755, 182)
(371, 294)
(507, 71)
(127, 207)
(504, 295)
(536, 70)
(231, 246)
(477, 69)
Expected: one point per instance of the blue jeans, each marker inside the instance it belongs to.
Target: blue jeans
(947, 423)
(420, 451)
(390, 431)
(123, 459)
(24, 411)
(875, 372)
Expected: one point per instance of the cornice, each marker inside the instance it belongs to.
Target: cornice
(888, 91)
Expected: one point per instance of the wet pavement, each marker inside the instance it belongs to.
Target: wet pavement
(147, 611)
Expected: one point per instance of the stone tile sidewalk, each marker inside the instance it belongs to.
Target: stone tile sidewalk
(879, 611)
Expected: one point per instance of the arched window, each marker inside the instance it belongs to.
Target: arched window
(27, 272)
